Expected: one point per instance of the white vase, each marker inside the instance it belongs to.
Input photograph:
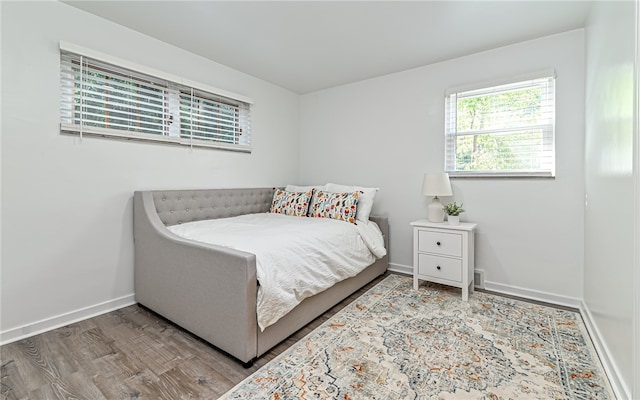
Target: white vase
(453, 219)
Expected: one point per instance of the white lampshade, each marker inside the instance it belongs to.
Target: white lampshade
(436, 184)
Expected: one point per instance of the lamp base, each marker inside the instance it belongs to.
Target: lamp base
(435, 211)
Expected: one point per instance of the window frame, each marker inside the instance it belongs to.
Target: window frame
(452, 96)
(169, 90)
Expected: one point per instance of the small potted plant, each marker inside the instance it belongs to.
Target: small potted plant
(453, 212)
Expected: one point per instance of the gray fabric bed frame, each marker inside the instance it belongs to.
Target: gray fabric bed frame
(211, 290)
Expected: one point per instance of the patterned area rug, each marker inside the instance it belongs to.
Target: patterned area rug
(397, 343)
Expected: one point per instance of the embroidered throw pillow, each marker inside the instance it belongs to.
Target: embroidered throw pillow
(340, 206)
(365, 202)
(291, 203)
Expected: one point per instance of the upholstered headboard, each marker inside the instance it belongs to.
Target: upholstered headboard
(179, 206)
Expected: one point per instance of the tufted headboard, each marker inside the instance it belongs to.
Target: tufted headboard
(179, 206)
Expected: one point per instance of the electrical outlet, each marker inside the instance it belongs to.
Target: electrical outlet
(478, 278)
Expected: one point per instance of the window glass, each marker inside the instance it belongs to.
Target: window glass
(505, 130)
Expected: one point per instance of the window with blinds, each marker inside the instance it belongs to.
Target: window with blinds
(105, 99)
(504, 130)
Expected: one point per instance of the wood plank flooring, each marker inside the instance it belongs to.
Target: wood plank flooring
(131, 353)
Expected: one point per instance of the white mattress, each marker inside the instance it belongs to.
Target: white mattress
(296, 257)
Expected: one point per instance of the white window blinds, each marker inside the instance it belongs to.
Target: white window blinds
(504, 130)
(105, 99)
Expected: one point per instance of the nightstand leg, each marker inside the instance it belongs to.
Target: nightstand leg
(415, 282)
(465, 294)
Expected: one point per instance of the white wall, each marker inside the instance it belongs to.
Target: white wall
(609, 183)
(67, 205)
(388, 131)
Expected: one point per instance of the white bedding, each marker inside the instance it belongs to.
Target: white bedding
(296, 257)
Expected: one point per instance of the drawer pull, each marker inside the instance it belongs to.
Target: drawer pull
(438, 243)
(438, 268)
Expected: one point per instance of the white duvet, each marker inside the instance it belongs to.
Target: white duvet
(296, 257)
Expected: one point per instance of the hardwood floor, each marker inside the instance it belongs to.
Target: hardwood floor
(131, 353)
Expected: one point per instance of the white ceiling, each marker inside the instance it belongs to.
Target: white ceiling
(306, 46)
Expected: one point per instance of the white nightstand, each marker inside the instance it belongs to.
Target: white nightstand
(443, 253)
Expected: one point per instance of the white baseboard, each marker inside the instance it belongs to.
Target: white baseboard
(401, 269)
(533, 294)
(508, 289)
(613, 373)
(35, 328)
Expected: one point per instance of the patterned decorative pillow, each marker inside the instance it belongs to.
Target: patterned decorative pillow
(291, 203)
(365, 202)
(340, 206)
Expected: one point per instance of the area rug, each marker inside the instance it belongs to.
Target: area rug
(398, 343)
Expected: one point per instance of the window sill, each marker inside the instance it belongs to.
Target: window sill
(491, 175)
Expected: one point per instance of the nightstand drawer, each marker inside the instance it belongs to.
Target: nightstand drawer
(440, 267)
(449, 244)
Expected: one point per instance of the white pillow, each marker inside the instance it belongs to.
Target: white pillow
(294, 188)
(365, 204)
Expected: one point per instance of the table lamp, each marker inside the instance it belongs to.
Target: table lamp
(436, 184)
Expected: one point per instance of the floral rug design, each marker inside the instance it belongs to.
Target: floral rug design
(398, 343)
